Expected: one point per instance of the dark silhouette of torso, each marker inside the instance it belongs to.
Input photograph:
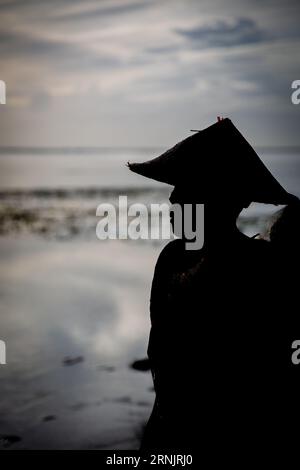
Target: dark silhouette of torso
(283, 303)
(208, 346)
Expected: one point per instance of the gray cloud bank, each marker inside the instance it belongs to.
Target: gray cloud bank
(145, 72)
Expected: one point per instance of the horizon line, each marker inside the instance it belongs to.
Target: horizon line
(116, 147)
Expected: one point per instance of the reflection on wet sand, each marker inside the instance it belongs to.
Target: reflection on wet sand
(74, 317)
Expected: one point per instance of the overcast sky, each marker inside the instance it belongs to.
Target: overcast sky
(145, 72)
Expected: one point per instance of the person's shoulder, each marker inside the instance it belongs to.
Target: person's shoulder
(258, 243)
(173, 248)
(170, 252)
(177, 245)
(255, 249)
(262, 252)
(261, 243)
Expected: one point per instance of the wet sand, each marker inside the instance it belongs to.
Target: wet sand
(74, 317)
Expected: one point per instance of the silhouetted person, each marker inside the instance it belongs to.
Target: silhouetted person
(201, 315)
(285, 243)
(284, 300)
(207, 345)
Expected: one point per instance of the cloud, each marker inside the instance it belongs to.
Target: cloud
(101, 11)
(149, 70)
(60, 53)
(224, 34)
(20, 44)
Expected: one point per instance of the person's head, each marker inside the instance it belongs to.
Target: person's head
(285, 231)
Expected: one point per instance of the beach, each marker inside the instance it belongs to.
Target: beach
(74, 317)
(75, 309)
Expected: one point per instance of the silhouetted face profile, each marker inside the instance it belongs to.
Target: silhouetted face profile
(217, 213)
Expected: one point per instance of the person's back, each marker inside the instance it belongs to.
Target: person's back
(285, 242)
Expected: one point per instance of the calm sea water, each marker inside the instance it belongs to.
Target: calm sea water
(102, 168)
(56, 192)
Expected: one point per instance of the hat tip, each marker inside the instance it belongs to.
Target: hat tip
(132, 166)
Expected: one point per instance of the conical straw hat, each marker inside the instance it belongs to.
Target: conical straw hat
(216, 162)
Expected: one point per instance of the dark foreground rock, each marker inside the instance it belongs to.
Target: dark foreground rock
(142, 365)
(8, 440)
(71, 361)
